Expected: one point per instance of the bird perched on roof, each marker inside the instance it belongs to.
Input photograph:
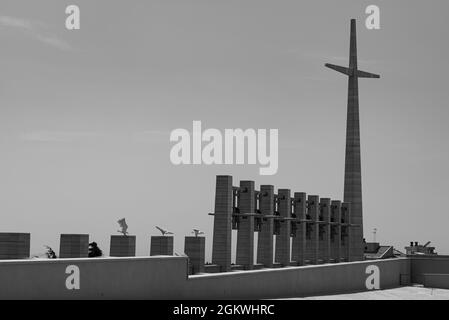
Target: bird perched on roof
(164, 232)
(124, 226)
(197, 232)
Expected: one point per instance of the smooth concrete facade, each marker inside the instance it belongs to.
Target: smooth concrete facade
(166, 278)
(99, 278)
(430, 270)
(298, 281)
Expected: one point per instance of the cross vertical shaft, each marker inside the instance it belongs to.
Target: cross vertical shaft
(353, 174)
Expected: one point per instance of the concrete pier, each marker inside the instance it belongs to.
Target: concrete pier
(221, 246)
(161, 246)
(195, 249)
(265, 239)
(122, 246)
(324, 231)
(346, 232)
(245, 233)
(14, 245)
(282, 254)
(335, 249)
(299, 241)
(74, 246)
(312, 236)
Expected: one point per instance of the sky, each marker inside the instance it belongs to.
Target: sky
(86, 115)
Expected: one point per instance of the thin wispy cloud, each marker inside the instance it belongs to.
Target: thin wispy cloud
(149, 136)
(35, 30)
(59, 136)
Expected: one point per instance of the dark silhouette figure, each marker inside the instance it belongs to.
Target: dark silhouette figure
(50, 253)
(94, 250)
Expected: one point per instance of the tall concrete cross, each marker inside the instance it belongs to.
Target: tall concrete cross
(353, 175)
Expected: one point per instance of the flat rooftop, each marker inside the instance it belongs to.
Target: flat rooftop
(402, 293)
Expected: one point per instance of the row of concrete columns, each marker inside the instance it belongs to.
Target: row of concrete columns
(308, 230)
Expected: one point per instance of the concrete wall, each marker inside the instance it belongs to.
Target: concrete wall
(435, 280)
(295, 281)
(422, 265)
(166, 278)
(100, 278)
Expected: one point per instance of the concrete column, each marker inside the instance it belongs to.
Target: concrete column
(312, 236)
(14, 246)
(122, 246)
(161, 246)
(346, 231)
(74, 246)
(282, 254)
(336, 230)
(355, 236)
(324, 230)
(265, 240)
(195, 249)
(221, 244)
(299, 241)
(245, 233)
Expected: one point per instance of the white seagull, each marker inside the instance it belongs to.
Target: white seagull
(164, 232)
(197, 232)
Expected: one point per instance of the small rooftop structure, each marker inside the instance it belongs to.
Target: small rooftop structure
(416, 248)
(374, 251)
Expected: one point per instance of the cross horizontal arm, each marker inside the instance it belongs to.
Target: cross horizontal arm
(363, 74)
(340, 69)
